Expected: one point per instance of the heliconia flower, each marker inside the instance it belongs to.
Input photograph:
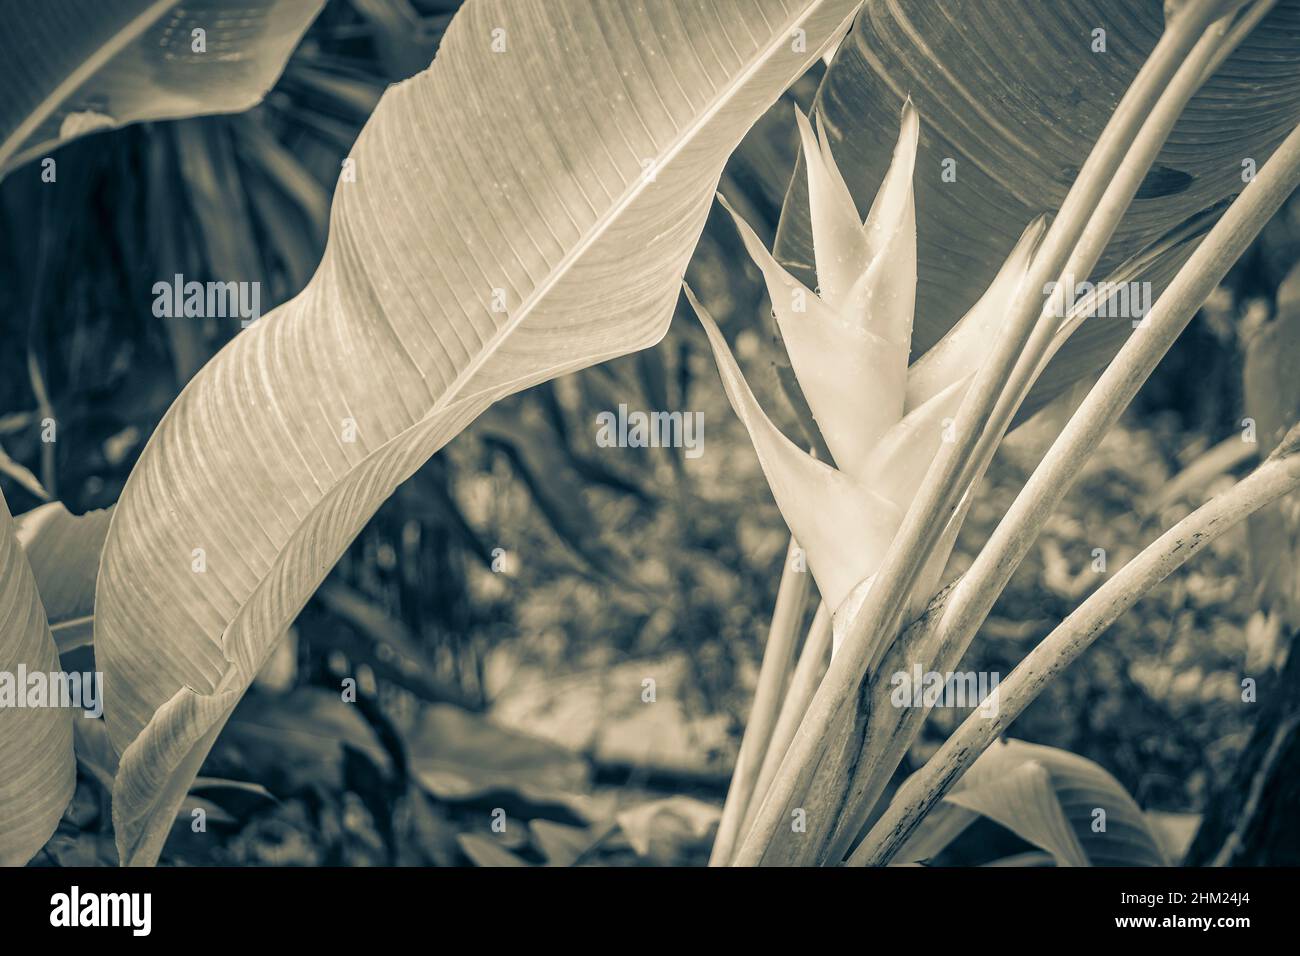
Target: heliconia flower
(848, 343)
(855, 393)
(838, 517)
(960, 352)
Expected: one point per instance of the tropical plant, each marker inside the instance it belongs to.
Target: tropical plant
(183, 625)
(504, 219)
(871, 542)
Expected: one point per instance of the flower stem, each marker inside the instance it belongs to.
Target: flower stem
(942, 487)
(791, 601)
(875, 764)
(974, 595)
(1275, 478)
(807, 675)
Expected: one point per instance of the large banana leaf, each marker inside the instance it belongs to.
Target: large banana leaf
(1013, 93)
(524, 208)
(72, 67)
(37, 769)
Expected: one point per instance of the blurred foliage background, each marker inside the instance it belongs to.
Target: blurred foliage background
(502, 613)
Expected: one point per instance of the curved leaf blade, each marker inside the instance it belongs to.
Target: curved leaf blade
(499, 232)
(37, 766)
(63, 550)
(80, 66)
(1023, 801)
(1051, 798)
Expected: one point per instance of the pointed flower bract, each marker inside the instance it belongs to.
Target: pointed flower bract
(848, 344)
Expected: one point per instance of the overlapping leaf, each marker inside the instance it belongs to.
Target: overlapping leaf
(1065, 804)
(78, 66)
(63, 551)
(523, 209)
(37, 768)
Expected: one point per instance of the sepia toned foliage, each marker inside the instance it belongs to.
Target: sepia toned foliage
(543, 624)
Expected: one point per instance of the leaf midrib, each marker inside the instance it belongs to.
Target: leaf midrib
(630, 195)
(79, 76)
(450, 398)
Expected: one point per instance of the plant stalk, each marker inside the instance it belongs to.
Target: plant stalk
(1212, 47)
(787, 615)
(873, 770)
(807, 675)
(941, 488)
(943, 637)
(974, 595)
(1276, 477)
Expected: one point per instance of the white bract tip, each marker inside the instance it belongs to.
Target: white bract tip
(849, 346)
(843, 526)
